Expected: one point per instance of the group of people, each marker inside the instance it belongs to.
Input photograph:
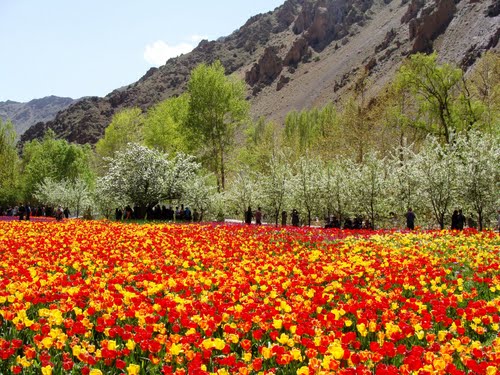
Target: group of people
(160, 213)
(357, 223)
(458, 220)
(24, 211)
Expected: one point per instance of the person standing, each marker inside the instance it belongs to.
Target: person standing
(295, 218)
(258, 216)
(283, 218)
(27, 211)
(248, 216)
(410, 219)
(460, 220)
(454, 220)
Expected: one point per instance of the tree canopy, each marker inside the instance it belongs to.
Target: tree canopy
(217, 106)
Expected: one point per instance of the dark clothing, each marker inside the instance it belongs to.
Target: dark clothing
(410, 220)
(283, 218)
(258, 217)
(454, 220)
(460, 221)
(295, 218)
(248, 216)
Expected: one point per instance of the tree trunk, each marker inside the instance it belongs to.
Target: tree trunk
(441, 222)
(222, 172)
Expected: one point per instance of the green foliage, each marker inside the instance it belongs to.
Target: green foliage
(433, 86)
(164, 125)
(57, 159)
(316, 131)
(217, 107)
(483, 89)
(9, 164)
(126, 126)
(262, 141)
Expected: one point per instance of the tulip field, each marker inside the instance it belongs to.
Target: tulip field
(97, 297)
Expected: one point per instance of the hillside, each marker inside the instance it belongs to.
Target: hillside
(25, 115)
(304, 53)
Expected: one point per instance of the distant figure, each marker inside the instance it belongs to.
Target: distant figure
(59, 213)
(471, 223)
(283, 218)
(348, 223)
(128, 213)
(66, 212)
(20, 211)
(258, 216)
(27, 211)
(460, 220)
(118, 214)
(187, 214)
(454, 220)
(295, 218)
(410, 219)
(248, 216)
(196, 216)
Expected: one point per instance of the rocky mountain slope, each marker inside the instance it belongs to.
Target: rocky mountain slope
(25, 115)
(305, 53)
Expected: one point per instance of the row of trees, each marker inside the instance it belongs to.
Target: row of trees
(435, 181)
(316, 154)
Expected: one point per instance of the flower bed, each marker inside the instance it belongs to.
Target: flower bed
(105, 298)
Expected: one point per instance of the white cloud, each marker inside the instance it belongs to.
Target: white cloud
(159, 52)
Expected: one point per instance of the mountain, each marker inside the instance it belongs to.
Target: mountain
(305, 53)
(24, 115)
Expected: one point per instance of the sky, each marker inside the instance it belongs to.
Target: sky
(74, 48)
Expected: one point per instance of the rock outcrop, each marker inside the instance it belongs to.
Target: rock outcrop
(431, 21)
(298, 52)
(266, 70)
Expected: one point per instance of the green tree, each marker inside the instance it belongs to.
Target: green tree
(316, 131)
(478, 174)
(126, 126)
(483, 85)
(57, 159)
(275, 185)
(217, 106)
(262, 141)
(9, 164)
(164, 125)
(433, 85)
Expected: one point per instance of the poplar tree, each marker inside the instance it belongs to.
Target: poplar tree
(217, 107)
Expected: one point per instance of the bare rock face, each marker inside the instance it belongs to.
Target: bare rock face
(340, 32)
(323, 21)
(282, 82)
(266, 70)
(299, 51)
(493, 8)
(389, 37)
(412, 10)
(431, 21)
(285, 16)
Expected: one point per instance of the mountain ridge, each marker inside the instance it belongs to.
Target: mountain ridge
(25, 114)
(305, 53)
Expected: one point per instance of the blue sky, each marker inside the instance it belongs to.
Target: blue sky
(91, 47)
